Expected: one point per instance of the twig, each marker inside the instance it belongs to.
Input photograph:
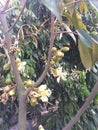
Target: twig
(42, 25)
(41, 78)
(18, 16)
(83, 108)
(10, 9)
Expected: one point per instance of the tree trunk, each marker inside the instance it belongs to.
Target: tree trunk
(22, 113)
(19, 83)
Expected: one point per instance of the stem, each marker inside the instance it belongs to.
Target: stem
(18, 15)
(41, 78)
(12, 57)
(83, 108)
(19, 83)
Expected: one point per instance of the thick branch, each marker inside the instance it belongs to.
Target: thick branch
(83, 108)
(18, 15)
(19, 83)
(41, 78)
(12, 58)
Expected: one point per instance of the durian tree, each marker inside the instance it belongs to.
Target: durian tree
(23, 45)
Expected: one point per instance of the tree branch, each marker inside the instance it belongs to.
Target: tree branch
(19, 83)
(12, 57)
(83, 108)
(18, 16)
(41, 78)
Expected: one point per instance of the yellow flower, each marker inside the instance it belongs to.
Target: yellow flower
(44, 92)
(48, 92)
(42, 87)
(44, 98)
(20, 65)
(58, 72)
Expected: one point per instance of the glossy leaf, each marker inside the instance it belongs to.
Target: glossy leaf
(55, 6)
(85, 38)
(86, 55)
(88, 48)
(94, 48)
(94, 38)
(95, 52)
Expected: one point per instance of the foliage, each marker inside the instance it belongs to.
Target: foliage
(67, 79)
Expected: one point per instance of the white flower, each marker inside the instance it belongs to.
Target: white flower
(21, 66)
(44, 99)
(58, 72)
(48, 92)
(42, 87)
(44, 93)
(41, 127)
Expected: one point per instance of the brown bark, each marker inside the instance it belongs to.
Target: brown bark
(22, 112)
(19, 84)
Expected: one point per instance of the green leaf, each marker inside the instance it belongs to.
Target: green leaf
(94, 3)
(94, 48)
(55, 6)
(88, 48)
(77, 21)
(86, 55)
(85, 38)
(94, 38)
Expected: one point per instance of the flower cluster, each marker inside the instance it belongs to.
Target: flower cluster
(8, 91)
(42, 93)
(59, 74)
(20, 65)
